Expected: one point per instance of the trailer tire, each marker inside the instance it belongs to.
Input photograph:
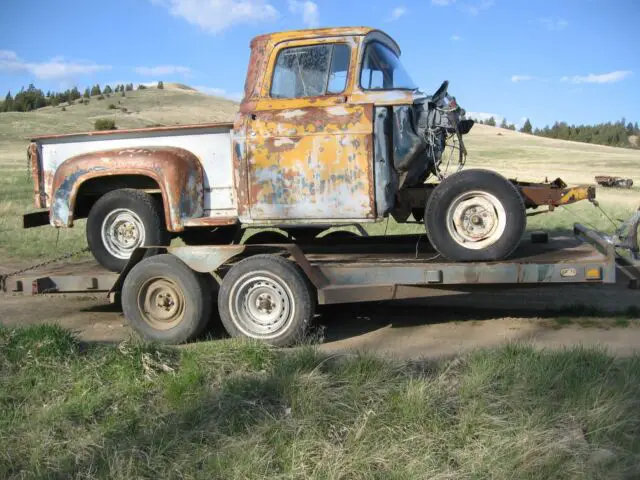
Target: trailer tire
(140, 217)
(475, 216)
(166, 301)
(267, 298)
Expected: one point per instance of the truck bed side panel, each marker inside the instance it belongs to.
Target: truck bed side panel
(211, 145)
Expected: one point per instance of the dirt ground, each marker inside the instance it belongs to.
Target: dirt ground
(436, 327)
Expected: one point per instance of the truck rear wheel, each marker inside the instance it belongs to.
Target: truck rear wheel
(121, 221)
(267, 298)
(475, 215)
(166, 301)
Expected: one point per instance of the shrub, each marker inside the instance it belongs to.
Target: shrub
(141, 87)
(160, 85)
(101, 97)
(112, 106)
(64, 109)
(105, 124)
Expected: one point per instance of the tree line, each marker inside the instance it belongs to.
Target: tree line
(614, 134)
(33, 98)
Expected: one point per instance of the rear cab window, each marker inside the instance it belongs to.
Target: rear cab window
(311, 71)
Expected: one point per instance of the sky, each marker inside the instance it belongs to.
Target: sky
(570, 60)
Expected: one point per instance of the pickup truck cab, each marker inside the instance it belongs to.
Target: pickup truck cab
(331, 131)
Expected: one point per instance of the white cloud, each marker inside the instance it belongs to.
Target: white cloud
(308, 10)
(485, 116)
(442, 3)
(163, 70)
(8, 55)
(554, 24)
(521, 78)
(610, 77)
(456, 38)
(476, 7)
(215, 16)
(397, 12)
(55, 69)
(220, 92)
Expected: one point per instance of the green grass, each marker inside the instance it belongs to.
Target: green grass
(241, 410)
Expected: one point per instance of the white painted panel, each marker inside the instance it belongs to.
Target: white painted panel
(212, 148)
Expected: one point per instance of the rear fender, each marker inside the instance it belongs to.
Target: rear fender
(178, 173)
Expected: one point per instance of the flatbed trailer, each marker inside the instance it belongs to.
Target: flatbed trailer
(270, 291)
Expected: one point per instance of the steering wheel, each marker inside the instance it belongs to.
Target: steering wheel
(440, 93)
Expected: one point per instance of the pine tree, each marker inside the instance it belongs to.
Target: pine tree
(491, 122)
(503, 124)
(527, 127)
(87, 93)
(107, 90)
(129, 87)
(8, 106)
(74, 94)
(160, 85)
(96, 90)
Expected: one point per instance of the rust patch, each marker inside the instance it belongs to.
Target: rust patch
(37, 176)
(311, 163)
(177, 171)
(554, 194)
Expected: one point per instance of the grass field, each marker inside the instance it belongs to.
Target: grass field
(242, 410)
(510, 153)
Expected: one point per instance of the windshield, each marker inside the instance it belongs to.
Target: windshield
(382, 70)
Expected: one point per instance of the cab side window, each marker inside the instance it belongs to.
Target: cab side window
(311, 71)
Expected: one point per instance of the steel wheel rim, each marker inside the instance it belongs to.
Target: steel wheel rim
(261, 304)
(476, 220)
(161, 303)
(122, 232)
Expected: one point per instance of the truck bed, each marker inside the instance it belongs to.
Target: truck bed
(211, 143)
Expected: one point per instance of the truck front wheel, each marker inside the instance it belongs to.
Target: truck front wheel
(121, 221)
(475, 215)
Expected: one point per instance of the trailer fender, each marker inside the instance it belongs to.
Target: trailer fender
(208, 259)
(177, 172)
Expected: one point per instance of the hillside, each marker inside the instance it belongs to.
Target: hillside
(513, 154)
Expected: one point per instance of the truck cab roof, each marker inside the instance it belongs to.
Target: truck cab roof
(277, 37)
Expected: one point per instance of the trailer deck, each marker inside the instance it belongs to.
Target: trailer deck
(365, 268)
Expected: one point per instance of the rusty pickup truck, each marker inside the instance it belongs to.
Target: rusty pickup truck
(331, 131)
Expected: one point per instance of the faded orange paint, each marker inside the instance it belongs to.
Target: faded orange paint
(312, 162)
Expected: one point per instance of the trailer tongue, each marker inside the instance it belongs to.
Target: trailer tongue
(269, 292)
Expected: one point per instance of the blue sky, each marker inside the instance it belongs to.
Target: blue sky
(573, 60)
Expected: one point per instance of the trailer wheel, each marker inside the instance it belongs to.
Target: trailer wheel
(121, 221)
(475, 215)
(165, 301)
(268, 298)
